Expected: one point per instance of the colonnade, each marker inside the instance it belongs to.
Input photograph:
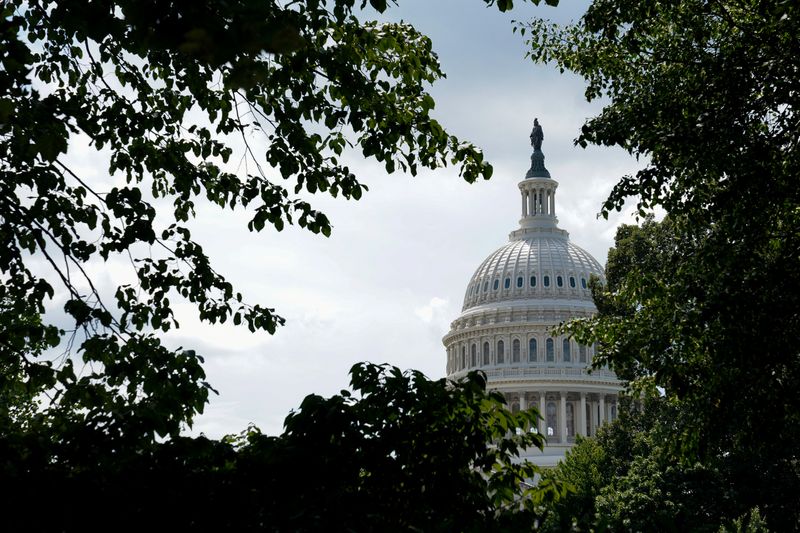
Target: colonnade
(560, 420)
(538, 201)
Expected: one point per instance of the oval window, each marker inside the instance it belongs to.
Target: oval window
(572, 281)
(559, 281)
(547, 281)
(519, 282)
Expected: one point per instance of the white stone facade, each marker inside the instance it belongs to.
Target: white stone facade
(516, 296)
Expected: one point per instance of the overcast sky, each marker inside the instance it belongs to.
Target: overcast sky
(390, 279)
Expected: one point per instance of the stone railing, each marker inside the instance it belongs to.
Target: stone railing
(546, 373)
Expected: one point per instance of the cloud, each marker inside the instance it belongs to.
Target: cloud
(427, 313)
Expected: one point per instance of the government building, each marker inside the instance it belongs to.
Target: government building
(515, 298)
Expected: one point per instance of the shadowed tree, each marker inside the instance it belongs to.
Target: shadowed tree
(705, 304)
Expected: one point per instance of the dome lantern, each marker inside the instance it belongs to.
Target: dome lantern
(538, 192)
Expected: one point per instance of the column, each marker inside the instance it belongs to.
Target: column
(524, 203)
(543, 414)
(531, 202)
(523, 403)
(602, 409)
(562, 423)
(553, 203)
(582, 415)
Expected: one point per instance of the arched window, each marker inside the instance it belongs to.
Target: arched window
(515, 351)
(496, 284)
(485, 353)
(613, 413)
(547, 281)
(474, 355)
(570, 420)
(572, 281)
(583, 282)
(519, 282)
(582, 353)
(550, 351)
(559, 281)
(551, 418)
(532, 351)
(507, 283)
(533, 281)
(501, 352)
(565, 349)
(463, 356)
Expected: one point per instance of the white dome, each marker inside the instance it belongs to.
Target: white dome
(507, 327)
(536, 267)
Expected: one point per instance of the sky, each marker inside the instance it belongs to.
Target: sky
(386, 284)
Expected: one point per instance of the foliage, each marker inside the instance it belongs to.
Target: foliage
(237, 104)
(399, 452)
(733, 416)
(20, 383)
(625, 479)
(751, 522)
(704, 305)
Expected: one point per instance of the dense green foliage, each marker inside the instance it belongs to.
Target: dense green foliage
(19, 401)
(400, 452)
(705, 305)
(625, 479)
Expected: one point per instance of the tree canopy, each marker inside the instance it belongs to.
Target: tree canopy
(704, 305)
(397, 452)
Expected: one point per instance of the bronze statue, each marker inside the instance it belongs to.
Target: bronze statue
(537, 135)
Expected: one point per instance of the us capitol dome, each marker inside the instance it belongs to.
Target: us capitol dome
(518, 294)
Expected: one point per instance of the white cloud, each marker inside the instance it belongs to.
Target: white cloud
(432, 310)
